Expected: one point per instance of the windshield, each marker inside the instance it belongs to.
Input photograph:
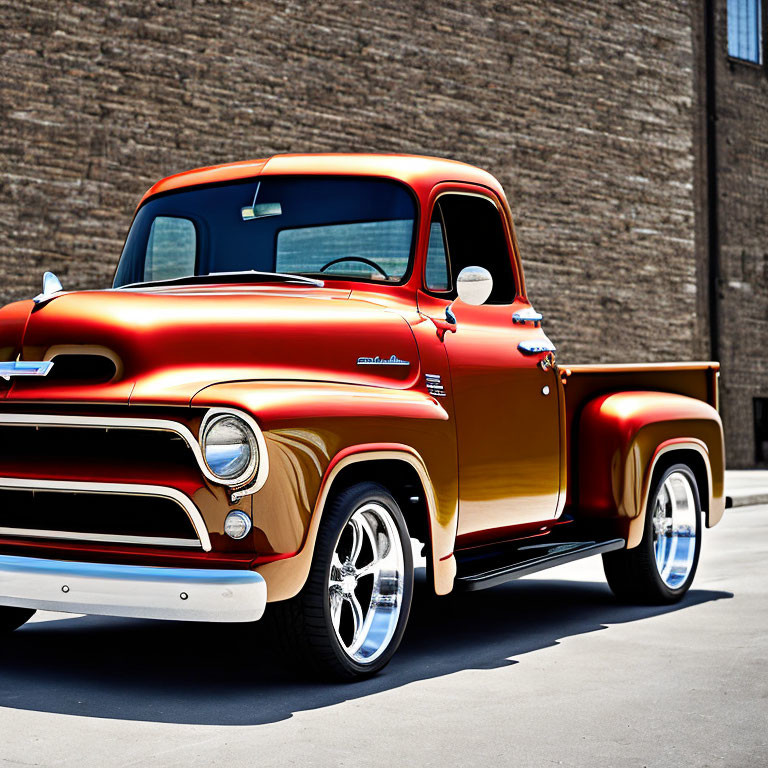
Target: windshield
(344, 228)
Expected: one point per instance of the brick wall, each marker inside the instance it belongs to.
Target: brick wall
(588, 111)
(581, 108)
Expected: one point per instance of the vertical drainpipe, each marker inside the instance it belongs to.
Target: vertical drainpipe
(712, 200)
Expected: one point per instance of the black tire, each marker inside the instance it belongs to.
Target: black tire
(302, 628)
(633, 574)
(12, 618)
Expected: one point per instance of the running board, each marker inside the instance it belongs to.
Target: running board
(475, 576)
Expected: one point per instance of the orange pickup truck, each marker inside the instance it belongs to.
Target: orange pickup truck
(304, 364)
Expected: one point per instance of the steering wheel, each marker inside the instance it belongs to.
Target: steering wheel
(368, 262)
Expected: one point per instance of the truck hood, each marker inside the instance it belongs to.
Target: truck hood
(162, 347)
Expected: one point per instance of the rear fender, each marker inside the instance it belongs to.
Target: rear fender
(625, 437)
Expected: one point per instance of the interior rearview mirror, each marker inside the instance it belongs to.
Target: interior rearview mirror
(261, 211)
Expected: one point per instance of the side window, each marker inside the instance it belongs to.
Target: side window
(171, 249)
(474, 235)
(438, 276)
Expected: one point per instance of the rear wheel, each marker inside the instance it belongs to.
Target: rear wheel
(661, 568)
(12, 618)
(349, 618)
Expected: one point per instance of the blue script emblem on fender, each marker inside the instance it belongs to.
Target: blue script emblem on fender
(393, 360)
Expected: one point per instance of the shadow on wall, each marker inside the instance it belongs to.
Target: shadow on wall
(182, 673)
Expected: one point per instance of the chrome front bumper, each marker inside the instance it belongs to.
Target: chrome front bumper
(132, 590)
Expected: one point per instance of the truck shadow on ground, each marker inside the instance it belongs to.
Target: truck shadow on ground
(228, 675)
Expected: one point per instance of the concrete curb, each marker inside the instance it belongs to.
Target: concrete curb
(746, 487)
(746, 499)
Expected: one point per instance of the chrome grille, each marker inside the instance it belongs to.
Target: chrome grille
(28, 509)
(85, 508)
(39, 444)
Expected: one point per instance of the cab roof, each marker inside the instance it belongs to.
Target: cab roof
(420, 173)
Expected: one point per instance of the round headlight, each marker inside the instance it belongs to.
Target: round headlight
(230, 449)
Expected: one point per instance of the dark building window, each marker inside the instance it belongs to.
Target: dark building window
(745, 30)
(761, 429)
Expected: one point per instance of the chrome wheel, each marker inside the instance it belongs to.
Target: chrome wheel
(674, 530)
(365, 583)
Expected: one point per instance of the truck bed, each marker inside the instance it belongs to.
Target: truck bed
(583, 383)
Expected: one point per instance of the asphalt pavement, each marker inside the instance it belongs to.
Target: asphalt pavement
(543, 671)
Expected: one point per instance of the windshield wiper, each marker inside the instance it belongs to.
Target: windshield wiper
(232, 277)
(283, 277)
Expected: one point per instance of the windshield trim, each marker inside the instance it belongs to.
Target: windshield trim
(404, 280)
(248, 275)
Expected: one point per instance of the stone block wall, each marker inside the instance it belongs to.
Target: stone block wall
(741, 109)
(588, 111)
(582, 109)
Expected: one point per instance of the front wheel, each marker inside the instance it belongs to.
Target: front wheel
(349, 618)
(661, 568)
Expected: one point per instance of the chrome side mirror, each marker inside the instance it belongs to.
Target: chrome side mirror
(51, 285)
(474, 286)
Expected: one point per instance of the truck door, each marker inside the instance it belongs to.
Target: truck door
(506, 402)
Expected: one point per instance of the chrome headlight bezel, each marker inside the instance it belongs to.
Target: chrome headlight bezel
(244, 476)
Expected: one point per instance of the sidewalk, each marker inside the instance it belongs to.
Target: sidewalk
(746, 487)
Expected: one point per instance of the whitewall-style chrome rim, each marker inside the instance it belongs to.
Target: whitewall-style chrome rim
(674, 529)
(365, 583)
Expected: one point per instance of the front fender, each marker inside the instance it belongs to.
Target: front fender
(622, 437)
(313, 430)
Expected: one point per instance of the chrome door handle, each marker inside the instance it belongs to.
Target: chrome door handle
(536, 347)
(529, 314)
